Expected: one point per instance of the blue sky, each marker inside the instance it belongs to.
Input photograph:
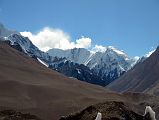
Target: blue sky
(130, 25)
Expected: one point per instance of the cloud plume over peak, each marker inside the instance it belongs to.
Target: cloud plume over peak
(48, 38)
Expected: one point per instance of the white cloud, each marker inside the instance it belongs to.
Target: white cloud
(99, 48)
(83, 42)
(49, 38)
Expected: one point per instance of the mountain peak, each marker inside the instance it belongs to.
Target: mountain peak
(4, 32)
(117, 51)
(1, 26)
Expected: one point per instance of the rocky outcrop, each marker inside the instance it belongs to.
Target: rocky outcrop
(110, 110)
(14, 115)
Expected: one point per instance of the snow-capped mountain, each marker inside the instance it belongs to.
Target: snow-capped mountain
(92, 59)
(23, 44)
(77, 55)
(94, 67)
(109, 64)
(28, 47)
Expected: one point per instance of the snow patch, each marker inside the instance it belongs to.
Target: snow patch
(78, 70)
(42, 62)
(116, 50)
(149, 53)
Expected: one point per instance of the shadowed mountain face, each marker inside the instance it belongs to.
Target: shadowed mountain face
(144, 77)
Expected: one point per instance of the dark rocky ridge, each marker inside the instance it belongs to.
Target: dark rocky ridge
(78, 71)
(14, 115)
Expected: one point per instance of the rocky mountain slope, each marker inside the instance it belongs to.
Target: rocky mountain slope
(76, 71)
(144, 77)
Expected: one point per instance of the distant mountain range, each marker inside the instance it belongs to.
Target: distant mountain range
(107, 65)
(99, 68)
